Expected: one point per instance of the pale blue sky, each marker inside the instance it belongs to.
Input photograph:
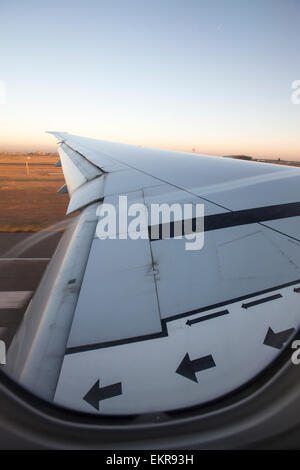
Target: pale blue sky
(214, 75)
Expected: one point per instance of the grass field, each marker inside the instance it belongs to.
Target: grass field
(28, 196)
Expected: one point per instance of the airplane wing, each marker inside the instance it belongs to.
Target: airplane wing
(130, 325)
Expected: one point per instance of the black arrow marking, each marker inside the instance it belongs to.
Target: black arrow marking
(207, 317)
(261, 301)
(297, 289)
(97, 394)
(188, 368)
(277, 340)
(164, 330)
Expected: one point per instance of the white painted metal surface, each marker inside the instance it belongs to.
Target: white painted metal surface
(157, 327)
(118, 296)
(233, 262)
(36, 353)
(74, 178)
(289, 227)
(86, 194)
(147, 370)
(85, 167)
(118, 299)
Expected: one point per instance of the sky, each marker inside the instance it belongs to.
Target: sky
(214, 75)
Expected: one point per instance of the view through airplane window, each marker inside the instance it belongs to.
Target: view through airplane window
(149, 214)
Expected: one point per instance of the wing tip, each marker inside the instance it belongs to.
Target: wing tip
(56, 132)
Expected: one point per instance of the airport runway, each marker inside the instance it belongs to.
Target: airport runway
(23, 260)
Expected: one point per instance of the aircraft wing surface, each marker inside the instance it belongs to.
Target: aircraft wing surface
(132, 324)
